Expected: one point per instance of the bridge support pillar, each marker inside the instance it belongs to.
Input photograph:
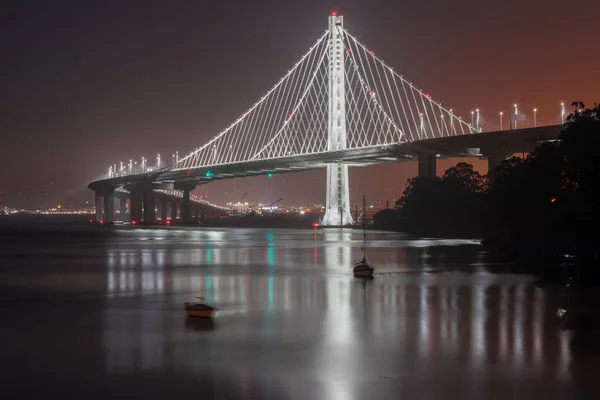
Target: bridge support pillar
(337, 207)
(123, 208)
(427, 164)
(135, 204)
(98, 204)
(494, 160)
(149, 210)
(109, 206)
(163, 209)
(186, 211)
(173, 211)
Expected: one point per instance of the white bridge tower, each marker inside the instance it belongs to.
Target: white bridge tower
(337, 208)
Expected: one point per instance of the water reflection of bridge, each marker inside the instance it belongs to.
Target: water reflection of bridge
(426, 319)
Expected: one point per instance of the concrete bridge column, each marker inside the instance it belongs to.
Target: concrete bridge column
(123, 208)
(494, 160)
(427, 164)
(163, 209)
(173, 211)
(99, 204)
(186, 212)
(149, 211)
(135, 204)
(109, 206)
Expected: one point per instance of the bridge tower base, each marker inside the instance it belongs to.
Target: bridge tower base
(337, 207)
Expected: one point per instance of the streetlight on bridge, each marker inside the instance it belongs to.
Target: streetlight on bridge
(562, 113)
(501, 114)
(130, 166)
(143, 165)
(535, 117)
(135, 168)
(158, 161)
(477, 111)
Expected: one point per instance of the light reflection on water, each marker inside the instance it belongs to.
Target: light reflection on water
(91, 314)
(287, 302)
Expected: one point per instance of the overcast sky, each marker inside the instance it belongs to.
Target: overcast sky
(85, 84)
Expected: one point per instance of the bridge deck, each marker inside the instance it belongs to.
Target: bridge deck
(477, 144)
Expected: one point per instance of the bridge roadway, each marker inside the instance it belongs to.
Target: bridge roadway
(495, 146)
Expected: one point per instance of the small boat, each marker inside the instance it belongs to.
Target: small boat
(198, 310)
(362, 269)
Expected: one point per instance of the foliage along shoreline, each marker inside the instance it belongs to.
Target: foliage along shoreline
(535, 210)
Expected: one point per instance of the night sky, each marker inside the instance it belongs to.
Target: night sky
(85, 84)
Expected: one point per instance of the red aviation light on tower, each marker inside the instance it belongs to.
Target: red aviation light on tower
(371, 52)
(333, 13)
(428, 95)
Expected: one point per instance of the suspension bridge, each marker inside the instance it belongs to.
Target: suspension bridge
(338, 106)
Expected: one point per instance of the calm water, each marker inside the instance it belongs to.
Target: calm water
(87, 314)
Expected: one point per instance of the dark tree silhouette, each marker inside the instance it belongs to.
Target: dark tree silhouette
(547, 204)
(452, 205)
(465, 178)
(521, 199)
(536, 208)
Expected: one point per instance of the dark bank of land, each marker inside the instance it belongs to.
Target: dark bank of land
(541, 211)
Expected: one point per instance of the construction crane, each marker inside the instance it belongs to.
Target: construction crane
(273, 203)
(240, 202)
